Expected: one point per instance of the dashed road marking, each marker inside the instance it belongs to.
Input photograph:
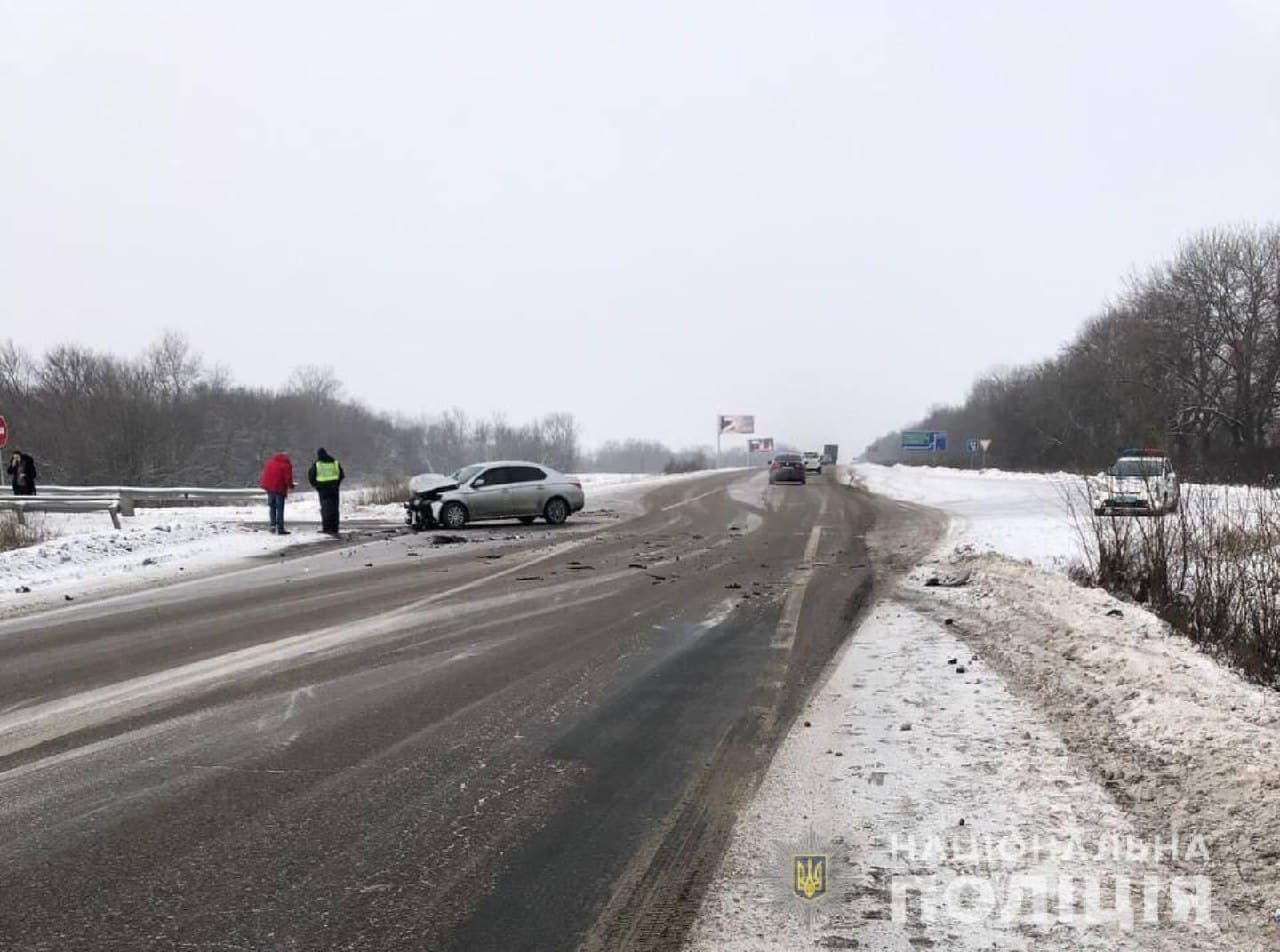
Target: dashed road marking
(789, 622)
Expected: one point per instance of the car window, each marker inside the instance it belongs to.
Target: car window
(1136, 467)
(464, 474)
(498, 476)
(527, 474)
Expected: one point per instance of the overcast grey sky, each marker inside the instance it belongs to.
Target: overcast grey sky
(827, 214)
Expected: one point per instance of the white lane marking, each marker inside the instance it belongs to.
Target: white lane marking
(811, 549)
(789, 622)
(685, 502)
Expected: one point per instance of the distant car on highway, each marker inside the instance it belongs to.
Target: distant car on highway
(786, 468)
(504, 489)
(813, 462)
(1140, 481)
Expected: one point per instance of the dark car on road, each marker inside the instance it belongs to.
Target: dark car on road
(786, 468)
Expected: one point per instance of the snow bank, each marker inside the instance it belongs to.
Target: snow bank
(1021, 515)
(589, 480)
(916, 767)
(83, 554)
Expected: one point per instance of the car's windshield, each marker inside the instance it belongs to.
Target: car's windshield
(811, 455)
(1138, 467)
(464, 475)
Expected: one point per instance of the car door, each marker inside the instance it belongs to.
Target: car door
(528, 490)
(490, 495)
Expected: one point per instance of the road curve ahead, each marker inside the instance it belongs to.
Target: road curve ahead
(531, 744)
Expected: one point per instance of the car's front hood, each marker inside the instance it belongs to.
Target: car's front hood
(431, 483)
(1128, 486)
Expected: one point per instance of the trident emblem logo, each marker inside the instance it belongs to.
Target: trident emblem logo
(810, 876)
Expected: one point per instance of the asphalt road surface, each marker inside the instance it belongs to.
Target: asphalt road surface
(534, 741)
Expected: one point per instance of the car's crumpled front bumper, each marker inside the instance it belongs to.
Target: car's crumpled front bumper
(420, 512)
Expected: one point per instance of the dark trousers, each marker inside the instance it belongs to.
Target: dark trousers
(275, 509)
(328, 509)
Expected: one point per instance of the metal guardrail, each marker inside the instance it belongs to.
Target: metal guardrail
(120, 501)
(24, 504)
(140, 497)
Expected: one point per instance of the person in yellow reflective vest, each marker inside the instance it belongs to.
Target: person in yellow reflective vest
(326, 476)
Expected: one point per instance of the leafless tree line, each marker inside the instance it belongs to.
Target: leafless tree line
(167, 418)
(1188, 359)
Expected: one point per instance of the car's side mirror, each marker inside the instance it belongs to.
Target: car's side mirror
(476, 484)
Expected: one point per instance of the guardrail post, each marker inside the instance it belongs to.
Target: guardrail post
(22, 516)
(126, 507)
(114, 512)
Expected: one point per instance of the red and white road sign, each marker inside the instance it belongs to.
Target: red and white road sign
(4, 432)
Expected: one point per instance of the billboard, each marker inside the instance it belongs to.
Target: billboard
(737, 424)
(762, 445)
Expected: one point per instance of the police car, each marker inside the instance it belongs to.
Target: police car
(1142, 480)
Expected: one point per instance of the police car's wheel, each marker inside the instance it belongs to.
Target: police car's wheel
(453, 515)
(556, 512)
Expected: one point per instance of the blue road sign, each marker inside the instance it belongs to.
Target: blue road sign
(927, 440)
(971, 444)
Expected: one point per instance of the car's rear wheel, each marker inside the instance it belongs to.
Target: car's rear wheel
(527, 520)
(556, 511)
(453, 515)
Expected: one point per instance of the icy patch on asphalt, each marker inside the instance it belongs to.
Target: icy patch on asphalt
(720, 615)
(906, 752)
(752, 492)
(32, 725)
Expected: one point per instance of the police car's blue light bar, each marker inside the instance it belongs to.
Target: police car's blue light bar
(1142, 451)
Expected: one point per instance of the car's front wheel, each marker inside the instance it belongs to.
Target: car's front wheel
(556, 511)
(453, 515)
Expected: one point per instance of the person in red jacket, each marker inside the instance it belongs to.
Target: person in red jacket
(277, 480)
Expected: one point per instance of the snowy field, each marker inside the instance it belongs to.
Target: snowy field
(1020, 515)
(978, 745)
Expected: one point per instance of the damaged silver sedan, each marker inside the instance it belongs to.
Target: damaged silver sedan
(507, 489)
